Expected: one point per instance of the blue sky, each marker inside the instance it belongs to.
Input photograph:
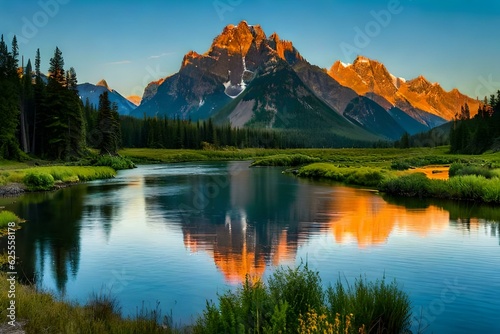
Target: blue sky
(130, 43)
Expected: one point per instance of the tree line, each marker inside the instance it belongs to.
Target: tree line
(480, 133)
(162, 132)
(44, 115)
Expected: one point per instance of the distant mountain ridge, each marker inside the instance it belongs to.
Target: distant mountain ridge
(90, 92)
(249, 79)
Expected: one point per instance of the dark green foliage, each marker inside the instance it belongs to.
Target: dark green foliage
(285, 160)
(108, 126)
(459, 169)
(59, 113)
(468, 187)
(39, 181)
(381, 307)
(477, 135)
(404, 141)
(299, 288)
(9, 102)
(290, 294)
(176, 133)
(412, 185)
(400, 165)
(116, 162)
(362, 176)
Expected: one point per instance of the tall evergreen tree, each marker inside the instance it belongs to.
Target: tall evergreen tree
(9, 102)
(108, 126)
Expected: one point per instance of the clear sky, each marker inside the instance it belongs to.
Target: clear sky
(130, 43)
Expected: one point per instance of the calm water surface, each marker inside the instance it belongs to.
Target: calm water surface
(178, 234)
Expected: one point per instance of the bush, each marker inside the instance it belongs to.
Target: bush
(376, 306)
(459, 169)
(38, 181)
(7, 217)
(114, 161)
(400, 165)
(412, 185)
(362, 176)
(288, 160)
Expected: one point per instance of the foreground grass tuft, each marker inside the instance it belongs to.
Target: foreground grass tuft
(41, 312)
(294, 301)
(7, 217)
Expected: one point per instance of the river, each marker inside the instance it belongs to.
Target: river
(177, 234)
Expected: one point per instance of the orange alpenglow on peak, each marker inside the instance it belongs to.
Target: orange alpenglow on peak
(104, 84)
(134, 99)
(189, 56)
(239, 39)
(367, 77)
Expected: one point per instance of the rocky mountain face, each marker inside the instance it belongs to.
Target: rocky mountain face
(371, 79)
(207, 82)
(250, 79)
(91, 92)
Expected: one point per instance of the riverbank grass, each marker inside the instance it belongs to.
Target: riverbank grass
(7, 217)
(41, 312)
(361, 176)
(293, 300)
(45, 178)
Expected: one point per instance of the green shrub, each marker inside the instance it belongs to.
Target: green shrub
(412, 185)
(459, 169)
(400, 165)
(286, 160)
(36, 181)
(7, 217)
(115, 162)
(362, 176)
(380, 307)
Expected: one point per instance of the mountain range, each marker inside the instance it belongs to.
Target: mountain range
(253, 80)
(89, 92)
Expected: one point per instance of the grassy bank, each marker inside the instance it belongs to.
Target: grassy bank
(41, 312)
(471, 183)
(291, 301)
(355, 157)
(7, 217)
(45, 178)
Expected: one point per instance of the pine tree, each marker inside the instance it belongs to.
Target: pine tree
(40, 119)
(9, 102)
(107, 126)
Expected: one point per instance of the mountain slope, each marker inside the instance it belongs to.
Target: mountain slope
(415, 97)
(288, 105)
(373, 117)
(92, 92)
